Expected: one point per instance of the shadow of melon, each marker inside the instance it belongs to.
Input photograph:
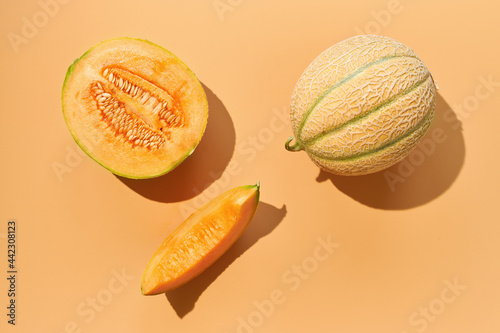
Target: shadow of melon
(266, 219)
(425, 174)
(198, 171)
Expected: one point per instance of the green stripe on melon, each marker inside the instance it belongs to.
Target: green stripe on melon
(362, 105)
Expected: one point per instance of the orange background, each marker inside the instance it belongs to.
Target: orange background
(419, 254)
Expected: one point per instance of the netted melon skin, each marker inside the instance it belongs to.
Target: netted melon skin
(362, 105)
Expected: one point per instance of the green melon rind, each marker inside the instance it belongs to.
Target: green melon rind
(365, 46)
(368, 113)
(424, 122)
(354, 167)
(257, 197)
(357, 72)
(69, 72)
(358, 119)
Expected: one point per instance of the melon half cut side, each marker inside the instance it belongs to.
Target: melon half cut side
(134, 107)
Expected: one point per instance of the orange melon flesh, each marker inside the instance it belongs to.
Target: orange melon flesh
(134, 107)
(200, 240)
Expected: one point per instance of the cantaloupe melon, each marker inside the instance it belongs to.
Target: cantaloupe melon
(200, 240)
(134, 107)
(362, 105)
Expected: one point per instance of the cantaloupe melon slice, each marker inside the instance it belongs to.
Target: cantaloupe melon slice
(134, 107)
(200, 240)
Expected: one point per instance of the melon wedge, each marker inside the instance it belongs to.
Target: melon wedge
(200, 240)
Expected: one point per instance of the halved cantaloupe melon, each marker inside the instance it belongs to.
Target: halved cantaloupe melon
(200, 240)
(134, 107)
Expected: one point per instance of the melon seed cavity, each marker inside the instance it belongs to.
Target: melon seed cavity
(138, 110)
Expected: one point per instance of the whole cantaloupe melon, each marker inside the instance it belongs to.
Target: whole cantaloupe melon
(362, 105)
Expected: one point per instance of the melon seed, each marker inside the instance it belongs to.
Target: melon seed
(114, 113)
(145, 92)
(134, 127)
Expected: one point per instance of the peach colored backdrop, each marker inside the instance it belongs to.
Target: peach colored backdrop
(411, 249)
